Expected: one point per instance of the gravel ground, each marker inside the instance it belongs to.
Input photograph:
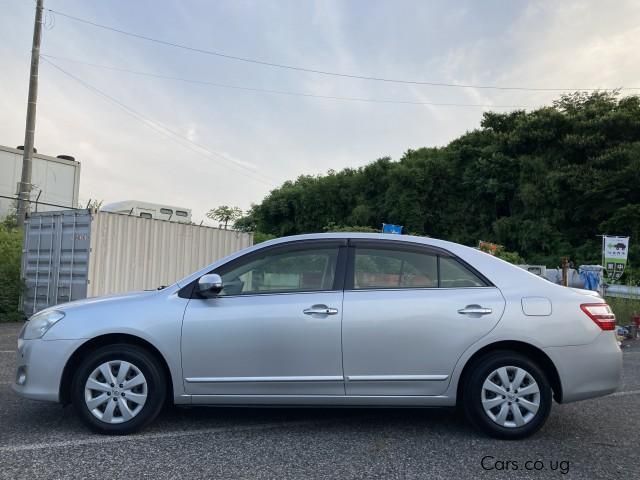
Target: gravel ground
(591, 439)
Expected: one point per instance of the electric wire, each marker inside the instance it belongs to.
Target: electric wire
(324, 72)
(281, 92)
(39, 202)
(163, 129)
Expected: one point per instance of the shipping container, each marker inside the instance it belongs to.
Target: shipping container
(55, 180)
(74, 254)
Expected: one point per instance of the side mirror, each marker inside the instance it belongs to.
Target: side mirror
(209, 285)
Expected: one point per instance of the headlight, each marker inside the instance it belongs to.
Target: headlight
(40, 323)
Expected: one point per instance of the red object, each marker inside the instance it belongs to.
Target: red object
(601, 314)
(636, 320)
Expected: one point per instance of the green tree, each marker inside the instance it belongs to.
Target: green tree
(225, 214)
(542, 183)
(10, 281)
(332, 227)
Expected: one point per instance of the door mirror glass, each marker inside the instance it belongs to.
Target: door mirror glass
(210, 285)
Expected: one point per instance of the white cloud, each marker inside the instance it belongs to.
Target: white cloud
(269, 138)
(191, 133)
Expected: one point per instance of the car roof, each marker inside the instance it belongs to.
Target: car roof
(363, 235)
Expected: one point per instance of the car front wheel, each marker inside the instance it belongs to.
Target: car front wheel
(118, 389)
(507, 396)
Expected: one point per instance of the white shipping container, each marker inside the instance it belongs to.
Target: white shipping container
(56, 180)
(69, 255)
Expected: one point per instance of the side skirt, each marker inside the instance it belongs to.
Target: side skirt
(318, 400)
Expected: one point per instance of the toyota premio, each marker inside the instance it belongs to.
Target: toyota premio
(329, 319)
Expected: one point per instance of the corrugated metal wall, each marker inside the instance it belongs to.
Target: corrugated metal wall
(132, 253)
(70, 255)
(56, 258)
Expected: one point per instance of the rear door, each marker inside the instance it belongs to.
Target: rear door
(409, 312)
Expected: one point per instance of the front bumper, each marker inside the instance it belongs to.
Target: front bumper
(590, 370)
(39, 367)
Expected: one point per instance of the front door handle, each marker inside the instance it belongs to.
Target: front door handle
(320, 310)
(475, 310)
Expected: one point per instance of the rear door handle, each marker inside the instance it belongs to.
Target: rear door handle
(320, 310)
(475, 310)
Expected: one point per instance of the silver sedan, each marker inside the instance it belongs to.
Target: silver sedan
(329, 319)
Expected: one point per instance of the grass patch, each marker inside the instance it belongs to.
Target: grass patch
(624, 308)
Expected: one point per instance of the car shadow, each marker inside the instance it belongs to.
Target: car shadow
(435, 419)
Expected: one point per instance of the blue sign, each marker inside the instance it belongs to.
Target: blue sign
(390, 228)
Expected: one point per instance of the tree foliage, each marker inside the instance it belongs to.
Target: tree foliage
(500, 252)
(542, 183)
(225, 214)
(332, 227)
(10, 281)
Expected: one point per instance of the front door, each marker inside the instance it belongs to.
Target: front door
(275, 329)
(409, 313)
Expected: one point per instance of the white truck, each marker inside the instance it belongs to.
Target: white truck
(158, 211)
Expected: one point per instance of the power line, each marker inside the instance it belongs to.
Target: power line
(281, 92)
(323, 72)
(39, 202)
(163, 129)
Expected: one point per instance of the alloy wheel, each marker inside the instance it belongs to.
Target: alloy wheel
(115, 392)
(510, 397)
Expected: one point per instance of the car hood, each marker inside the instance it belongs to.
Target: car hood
(103, 300)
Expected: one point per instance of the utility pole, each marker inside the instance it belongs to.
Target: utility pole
(24, 188)
(565, 271)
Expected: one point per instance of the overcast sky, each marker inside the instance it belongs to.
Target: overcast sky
(254, 141)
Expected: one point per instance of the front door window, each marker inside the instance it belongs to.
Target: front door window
(287, 271)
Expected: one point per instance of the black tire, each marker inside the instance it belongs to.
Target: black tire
(145, 362)
(472, 396)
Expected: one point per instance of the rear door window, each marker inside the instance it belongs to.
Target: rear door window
(387, 268)
(398, 266)
(455, 275)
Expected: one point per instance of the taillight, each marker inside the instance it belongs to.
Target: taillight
(601, 314)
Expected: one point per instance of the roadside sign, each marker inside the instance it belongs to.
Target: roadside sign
(615, 252)
(390, 228)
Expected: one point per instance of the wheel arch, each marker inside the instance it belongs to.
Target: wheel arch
(103, 340)
(531, 351)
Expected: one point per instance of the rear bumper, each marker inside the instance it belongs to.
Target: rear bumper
(39, 367)
(588, 371)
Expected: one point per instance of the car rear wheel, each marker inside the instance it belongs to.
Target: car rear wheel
(506, 395)
(118, 389)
